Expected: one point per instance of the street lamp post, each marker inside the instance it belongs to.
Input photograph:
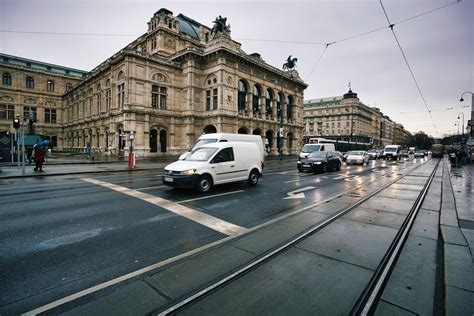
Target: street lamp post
(471, 134)
(462, 130)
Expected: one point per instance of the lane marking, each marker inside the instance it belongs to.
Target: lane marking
(196, 216)
(155, 187)
(210, 196)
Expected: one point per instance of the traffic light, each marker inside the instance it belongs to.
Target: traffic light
(16, 123)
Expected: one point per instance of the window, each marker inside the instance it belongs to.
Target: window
(155, 96)
(29, 113)
(121, 94)
(242, 96)
(226, 154)
(91, 101)
(162, 98)
(30, 83)
(7, 112)
(7, 79)
(211, 99)
(108, 99)
(50, 116)
(50, 85)
(99, 103)
(84, 108)
(256, 99)
(153, 43)
(268, 102)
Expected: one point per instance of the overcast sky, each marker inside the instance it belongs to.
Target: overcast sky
(439, 46)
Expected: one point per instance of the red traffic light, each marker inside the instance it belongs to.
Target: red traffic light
(16, 123)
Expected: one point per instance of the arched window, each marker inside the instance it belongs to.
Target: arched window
(7, 79)
(280, 98)
(268, 101)
(256, 98)
(30, 83)
(242, 96)
(289, 108)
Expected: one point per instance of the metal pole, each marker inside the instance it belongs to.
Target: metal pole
(22, 150)
(12, 156)
(18, 148)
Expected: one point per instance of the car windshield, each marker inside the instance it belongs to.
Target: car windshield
(202, 142)
(309, 148)
(318, 154)
(390, 149)
(201, 154)
(372, 151)
(420, 151)
(356, 153)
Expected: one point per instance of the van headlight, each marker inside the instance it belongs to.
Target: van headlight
(189, 172)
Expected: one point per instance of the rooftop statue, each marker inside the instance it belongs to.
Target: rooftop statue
(220, 25)
(290, 63)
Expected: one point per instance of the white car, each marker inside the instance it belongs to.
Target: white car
(215, 163)
(357, 157)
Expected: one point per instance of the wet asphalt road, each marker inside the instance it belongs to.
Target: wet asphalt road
(60, 235)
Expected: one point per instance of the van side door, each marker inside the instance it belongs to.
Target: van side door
(223, 165)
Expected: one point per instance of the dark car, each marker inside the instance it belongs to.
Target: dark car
(420, 153)
(320, 161)
(404, 153)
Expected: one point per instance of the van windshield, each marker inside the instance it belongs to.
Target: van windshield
(201, 154)
(202, 142)
(391, 149)
(309, 148)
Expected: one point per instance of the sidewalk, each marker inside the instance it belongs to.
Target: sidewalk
(64, 165)
(457, 228)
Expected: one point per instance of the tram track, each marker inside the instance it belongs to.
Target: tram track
(367, 300)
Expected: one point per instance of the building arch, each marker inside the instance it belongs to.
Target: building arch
(269, 96)
(209, 129)
(289, 107)
(242, 95)
(159, 77)
(280, 105)
(269, 138)
(257, 131)
(243, 130)
(153, 140)
(256, 96)
(163, 141)
(120, 75)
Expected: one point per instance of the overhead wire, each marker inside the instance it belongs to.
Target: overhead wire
(409, 67)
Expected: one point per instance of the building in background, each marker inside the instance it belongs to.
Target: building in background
(175, 82)
(33, 91)
(346, 118)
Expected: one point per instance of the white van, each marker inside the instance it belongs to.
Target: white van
(226, 137)
(309, 148)
(215, 163)
(392, 152)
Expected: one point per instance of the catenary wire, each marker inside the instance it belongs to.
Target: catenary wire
(409, 67)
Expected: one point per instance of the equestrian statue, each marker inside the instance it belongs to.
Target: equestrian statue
(220, 25)
(290, 63)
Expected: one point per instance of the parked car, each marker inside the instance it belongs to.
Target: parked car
(215, 163)
(357, 157)
(420, 153)
(320, 161)
(404, 153)
(373, 154)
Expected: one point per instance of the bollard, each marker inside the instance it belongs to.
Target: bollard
(131, 160)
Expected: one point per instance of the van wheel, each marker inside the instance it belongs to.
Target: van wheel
(253, 177)
(204, 183)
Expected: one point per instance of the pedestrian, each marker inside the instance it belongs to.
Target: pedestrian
(39, 158)
(29, 154)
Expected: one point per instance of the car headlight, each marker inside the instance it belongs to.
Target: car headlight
(189, 172)
(317, 162)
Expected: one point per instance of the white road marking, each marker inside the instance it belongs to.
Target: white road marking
(201, 218)
(292, 181)
(210, 196)
(155, 187)
(297, 194)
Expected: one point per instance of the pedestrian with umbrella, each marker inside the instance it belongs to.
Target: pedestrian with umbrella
(39, 155)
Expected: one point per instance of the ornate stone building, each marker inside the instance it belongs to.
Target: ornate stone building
(175, 82)
(32, 88)
(347, 118)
